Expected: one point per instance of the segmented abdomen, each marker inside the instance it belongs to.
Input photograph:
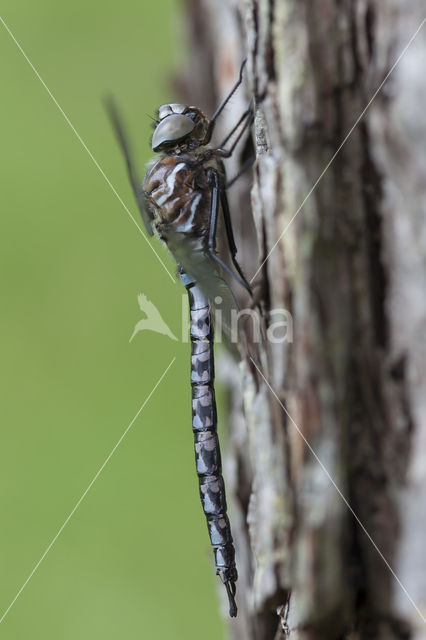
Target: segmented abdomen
(207, 449)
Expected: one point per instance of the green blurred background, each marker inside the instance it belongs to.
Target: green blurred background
(134, 560)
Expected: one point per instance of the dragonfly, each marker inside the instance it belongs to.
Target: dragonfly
(181, 198)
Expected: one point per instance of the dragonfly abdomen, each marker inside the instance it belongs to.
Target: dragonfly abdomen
(206, 441)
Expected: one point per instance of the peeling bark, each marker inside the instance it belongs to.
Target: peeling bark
(351, 269)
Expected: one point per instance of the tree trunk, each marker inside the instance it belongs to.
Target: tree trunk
(326, 468)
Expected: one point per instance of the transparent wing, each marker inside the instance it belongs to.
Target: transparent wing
(117, 124)
(203, 269)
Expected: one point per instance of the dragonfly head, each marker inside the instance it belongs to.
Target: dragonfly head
(179, 125)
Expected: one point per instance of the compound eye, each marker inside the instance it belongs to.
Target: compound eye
(164, 110)
(167, 109)
(178, 108)
(171, 129)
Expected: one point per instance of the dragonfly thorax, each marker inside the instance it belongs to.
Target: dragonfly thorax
(179, 127)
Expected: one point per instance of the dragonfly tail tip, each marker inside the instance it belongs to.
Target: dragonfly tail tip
(230, 590)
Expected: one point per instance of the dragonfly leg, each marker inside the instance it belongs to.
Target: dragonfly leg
(230, 238)
(226, 153)
(211, 247)
(214, 209)
(233, 130)
(223, 104)
(246, 165)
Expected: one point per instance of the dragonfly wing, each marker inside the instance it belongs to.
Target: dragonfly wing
(123, 141)
(205, 272)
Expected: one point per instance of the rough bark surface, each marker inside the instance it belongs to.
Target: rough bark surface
(348, 444)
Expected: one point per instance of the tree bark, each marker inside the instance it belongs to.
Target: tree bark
(326, 469)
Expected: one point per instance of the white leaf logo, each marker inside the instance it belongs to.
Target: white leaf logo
(153, 320)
